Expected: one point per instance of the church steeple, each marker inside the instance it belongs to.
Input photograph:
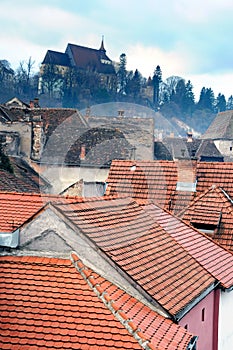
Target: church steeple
(102, 45)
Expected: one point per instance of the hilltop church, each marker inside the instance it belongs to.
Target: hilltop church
(83, 59)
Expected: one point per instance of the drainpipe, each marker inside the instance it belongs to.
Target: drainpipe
(193, 343)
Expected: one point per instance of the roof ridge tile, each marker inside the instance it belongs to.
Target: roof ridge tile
(111, 304)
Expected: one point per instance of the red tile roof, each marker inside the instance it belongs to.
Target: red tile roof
(214, 207)
(48, 304)
(214, 258)
(153, 180)
(211, 173)
(146, 252)
(157, 180)
(16, 207)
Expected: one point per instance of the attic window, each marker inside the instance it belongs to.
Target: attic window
(205, 228)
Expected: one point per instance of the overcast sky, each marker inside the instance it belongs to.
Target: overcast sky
(187, 38)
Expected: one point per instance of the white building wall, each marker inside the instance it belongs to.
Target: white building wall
(225, 147)
(225, 338)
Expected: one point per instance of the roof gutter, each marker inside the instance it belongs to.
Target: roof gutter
(9, 239)
(183, 312)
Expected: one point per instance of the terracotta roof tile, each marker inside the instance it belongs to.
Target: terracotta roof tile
(218, 174)
(212, 209)
(28, 321)
(157, 180)
(42, 324)
(142, 248)
(215, 259)
(16, 207)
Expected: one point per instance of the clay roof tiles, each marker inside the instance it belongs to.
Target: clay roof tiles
(50, 304)
(152, 180)
(215, 173)
(213, 207)
(214, 258)
(16, 207)
(143, 249)
(158, 180)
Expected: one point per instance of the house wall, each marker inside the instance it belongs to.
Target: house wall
(199, 321)
(24, 130)
(62, 177)
(50, 235)
(225, 147)
(226, 321)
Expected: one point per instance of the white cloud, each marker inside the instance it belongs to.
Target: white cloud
(219, 83)
(145, 59)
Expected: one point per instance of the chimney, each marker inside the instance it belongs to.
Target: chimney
(36, 102)
(189, 136)
(31, 104)
(83, 153)
(121, 113)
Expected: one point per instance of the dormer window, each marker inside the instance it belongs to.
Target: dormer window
(206, 221)
(105, 61)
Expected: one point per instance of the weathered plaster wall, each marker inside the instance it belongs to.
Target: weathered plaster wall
(203, 329)
(225, 147)
(226, 321)
(24, 130)
(49, 234)
(62, 177)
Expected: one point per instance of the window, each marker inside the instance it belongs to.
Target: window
(203, 314)
(230, 148)
(186, 326)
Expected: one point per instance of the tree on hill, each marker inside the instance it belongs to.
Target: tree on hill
(221, 104)
(156, 81)
(206, 100)
(122, 74)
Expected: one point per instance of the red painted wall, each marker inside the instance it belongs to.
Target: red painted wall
(202, 321)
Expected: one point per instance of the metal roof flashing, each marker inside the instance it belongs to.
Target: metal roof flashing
(184, 311)
(9, 239)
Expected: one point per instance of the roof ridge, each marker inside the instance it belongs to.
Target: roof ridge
(110, 303)
(197, 198)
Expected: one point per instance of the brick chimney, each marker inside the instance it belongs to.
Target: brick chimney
(83, 153)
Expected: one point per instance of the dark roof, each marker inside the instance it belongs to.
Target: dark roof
(10, 182)
(180, 148)
(161, 152)
(24, 172)
(208, 150)
(57, 58)
(87, 58)
(102, 145)
(221, 127)
(6, 114)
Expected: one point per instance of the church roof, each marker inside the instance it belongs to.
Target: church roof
(84, 57)
(57, 58)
